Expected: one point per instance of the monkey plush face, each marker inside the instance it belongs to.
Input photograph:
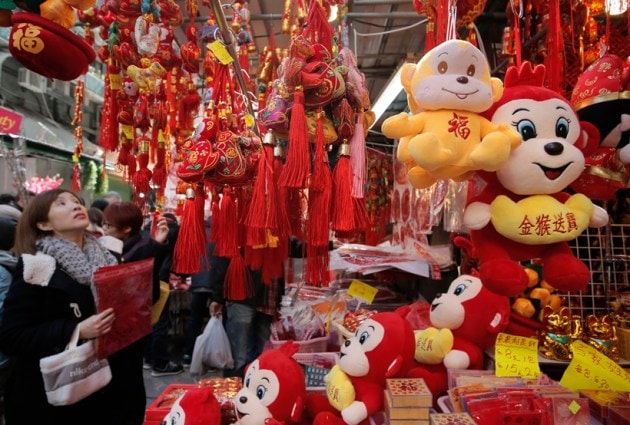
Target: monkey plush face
(447, 310)
(353, 354)
(547, 161)
(261, 388)
(453, 75)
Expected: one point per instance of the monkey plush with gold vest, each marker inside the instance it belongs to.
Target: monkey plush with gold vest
(382, 347)
(444, 137)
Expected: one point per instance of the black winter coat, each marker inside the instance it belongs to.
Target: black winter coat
(38, 321)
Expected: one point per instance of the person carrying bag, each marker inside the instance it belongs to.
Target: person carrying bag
(75, 373)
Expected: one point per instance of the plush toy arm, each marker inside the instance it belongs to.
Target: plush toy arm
(457, 360)
(512, 137)
(402, 125)
(477, 215)
(355, 413)
(599, 218)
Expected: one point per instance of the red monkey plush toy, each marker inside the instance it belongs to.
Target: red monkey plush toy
(274, 389)
(382, 347)
(522, 212)
(465, 320)
(197, 406)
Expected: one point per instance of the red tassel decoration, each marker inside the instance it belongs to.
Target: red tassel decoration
(297, 167)
(342, 206)
(214, 214)
(238, 281)
(555, 48)
(191, 242)
(227, 227)
(318, 225)
(142, 177)
(159, 170)
(76, 178)
(357, 158)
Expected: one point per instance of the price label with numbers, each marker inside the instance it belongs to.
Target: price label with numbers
(516, 356)
(592, 370)
(362, 291)
(221, 52)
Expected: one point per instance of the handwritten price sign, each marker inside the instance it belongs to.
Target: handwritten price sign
(362, 290)
(592, 370)
(516, 356)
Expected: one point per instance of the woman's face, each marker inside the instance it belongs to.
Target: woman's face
(66, 216)
(111, 230)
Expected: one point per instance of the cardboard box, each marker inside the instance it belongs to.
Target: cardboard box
(408, 392)
(601, 400)
(452, 419)
(399, 413)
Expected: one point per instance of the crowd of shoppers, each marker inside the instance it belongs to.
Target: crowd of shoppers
(44, 307)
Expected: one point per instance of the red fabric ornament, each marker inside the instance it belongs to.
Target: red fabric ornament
(48, 48)
(142, 177)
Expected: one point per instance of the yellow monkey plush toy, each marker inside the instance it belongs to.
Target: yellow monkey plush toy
(444, 137)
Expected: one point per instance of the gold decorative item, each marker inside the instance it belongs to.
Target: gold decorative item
(601, 334)
(555, 341)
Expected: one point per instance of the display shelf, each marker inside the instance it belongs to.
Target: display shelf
(606, 253)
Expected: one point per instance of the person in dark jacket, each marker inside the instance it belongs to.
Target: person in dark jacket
(206, 298)
(50, 299)
(123, 220)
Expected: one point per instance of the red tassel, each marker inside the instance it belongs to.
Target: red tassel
(318, 225)
(76, 178)
(108, 137)
(227, 227)
(214, 213)
(191, 242)
(238, 281)
(357, 158)
(555, 47)
(342, 206)
(296, 169)
(159, 170)
(361, 218)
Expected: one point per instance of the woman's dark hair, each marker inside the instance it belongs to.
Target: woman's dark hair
(96, 216)
(36, 211)
(124, 214)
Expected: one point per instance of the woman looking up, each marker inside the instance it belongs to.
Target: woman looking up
(49, 300)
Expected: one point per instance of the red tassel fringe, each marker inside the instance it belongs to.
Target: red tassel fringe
(296, 169)
(191, 242)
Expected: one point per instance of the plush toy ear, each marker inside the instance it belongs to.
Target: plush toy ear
(407, 75)
(497, 89)
(589, 138)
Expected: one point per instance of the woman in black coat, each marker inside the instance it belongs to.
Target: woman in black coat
(123, 220)
(50, 298)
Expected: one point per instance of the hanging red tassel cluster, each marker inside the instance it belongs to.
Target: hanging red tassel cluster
(190, 247)
(318, 223)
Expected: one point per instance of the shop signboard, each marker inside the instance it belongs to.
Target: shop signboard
(10, 121)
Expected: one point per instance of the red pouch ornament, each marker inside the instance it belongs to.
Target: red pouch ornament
(48, 48)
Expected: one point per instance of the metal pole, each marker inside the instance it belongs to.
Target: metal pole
(228, 40)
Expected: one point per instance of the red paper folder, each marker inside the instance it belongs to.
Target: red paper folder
(127, 289)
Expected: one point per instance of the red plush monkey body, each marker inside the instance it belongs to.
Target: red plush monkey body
(475, 316)
(382, 347)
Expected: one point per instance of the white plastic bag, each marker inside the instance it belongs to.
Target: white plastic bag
(212, 349)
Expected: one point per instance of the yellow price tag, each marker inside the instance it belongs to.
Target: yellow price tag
(516, 356)
(221, 52)
(362, 291)
(592, 370)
